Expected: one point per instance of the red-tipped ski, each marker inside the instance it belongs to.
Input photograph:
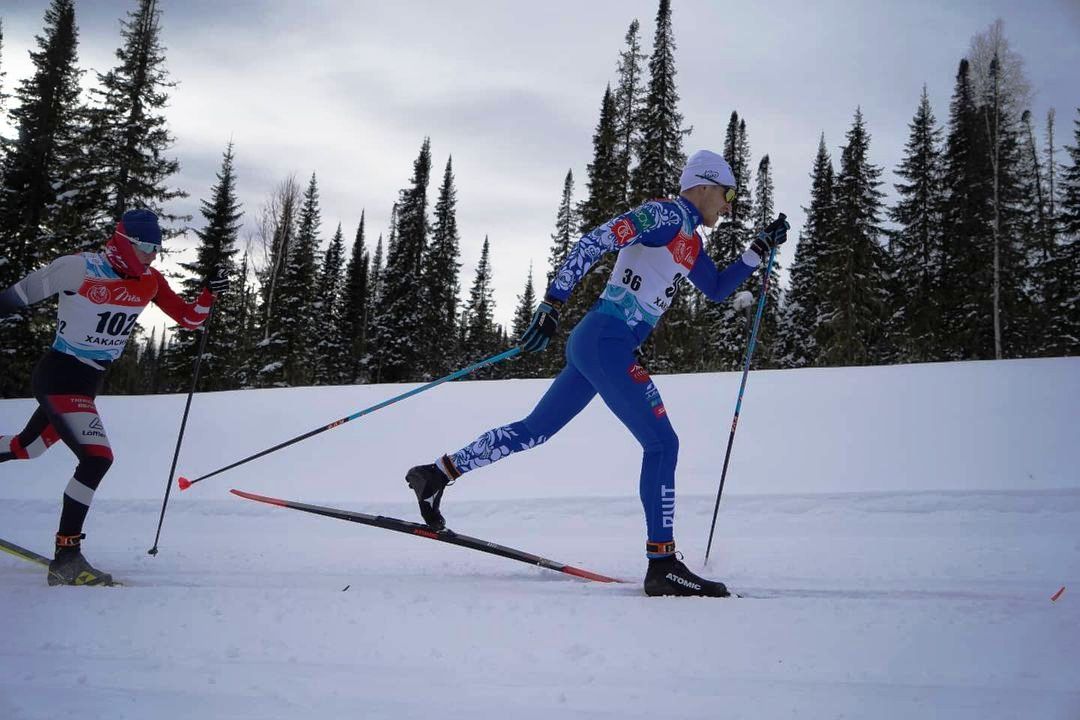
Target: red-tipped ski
(447, 536)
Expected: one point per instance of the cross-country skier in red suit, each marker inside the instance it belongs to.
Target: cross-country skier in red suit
(101, 295)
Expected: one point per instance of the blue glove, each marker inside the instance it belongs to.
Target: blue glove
(545, 321)
(772, 236)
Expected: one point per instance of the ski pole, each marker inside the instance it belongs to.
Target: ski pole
(742, 388)
(183, 425)
(184, 483)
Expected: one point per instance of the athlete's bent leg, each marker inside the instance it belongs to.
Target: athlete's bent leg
(35, 439)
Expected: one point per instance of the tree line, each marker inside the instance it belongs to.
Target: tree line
(977, 258)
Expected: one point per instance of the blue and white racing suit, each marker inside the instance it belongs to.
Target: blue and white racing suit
(659, 248)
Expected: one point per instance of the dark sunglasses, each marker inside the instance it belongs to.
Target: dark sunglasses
(729, 193)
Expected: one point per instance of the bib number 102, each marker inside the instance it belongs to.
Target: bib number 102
(116, 323)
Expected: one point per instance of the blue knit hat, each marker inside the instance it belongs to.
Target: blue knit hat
(141, 225)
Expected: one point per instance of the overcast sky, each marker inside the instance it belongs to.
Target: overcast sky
(512, 91)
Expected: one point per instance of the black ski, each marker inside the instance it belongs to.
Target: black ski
(447, 536)
(31, 556)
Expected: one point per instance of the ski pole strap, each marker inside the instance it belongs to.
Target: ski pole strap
(660, 548)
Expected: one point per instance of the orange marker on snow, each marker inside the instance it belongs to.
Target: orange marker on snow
(1059, 593)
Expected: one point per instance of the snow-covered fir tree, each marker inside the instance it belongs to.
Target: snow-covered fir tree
(214, 257)
(722, 328)
(916, 245)
(659, 149)
(629, 98)
(291, 360)
(526, 365)
(355, 306)
(3, 75)
(277, 230)
(605, 199)
(129, 127)
(851, 271)
(802, 302)
(762, 213)
(482, 337)
(966, 266)
(439, 277)
(399, 328)
(330, 348)
(1064, 279)
(42, 164)
(566, 233)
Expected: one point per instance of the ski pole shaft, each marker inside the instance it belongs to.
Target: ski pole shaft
(183, 426)
(185, 483)
(751, 344)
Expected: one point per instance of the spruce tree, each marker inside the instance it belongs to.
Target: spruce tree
(851, 269)
(148, 364)
(723, 330)
(966, 266)
(3, 74)
(439, 278)
(1063, 300)
(629, 97)
(659, 149)
(214, 257)
(606, 192)
(527, 365)
(763, 213)
(277, 229)
(247, 324)
(355, 306)
(331, 352)
(41, 168)
(292, 363)
(1012, 307)
(604, 201)
(672, 348)
(802, 303)
(567, 226)
(375, 275)
(129, 129)
(482, 338)
(399, 329)
(917, 244)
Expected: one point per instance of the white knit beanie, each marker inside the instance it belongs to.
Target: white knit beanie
(706, 168)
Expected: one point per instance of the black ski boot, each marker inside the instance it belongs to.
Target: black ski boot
(428, 482)
(668, 576)
(70, 567)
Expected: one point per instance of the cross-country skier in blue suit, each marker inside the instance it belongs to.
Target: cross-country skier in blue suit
(659, 248)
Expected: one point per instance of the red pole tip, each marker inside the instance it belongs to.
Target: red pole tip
(183, 482)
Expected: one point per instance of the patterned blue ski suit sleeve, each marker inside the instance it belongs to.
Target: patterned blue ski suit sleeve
(654, 223)
(717, 285)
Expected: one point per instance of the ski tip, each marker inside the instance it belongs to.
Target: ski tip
(259, 498)
(183, 482)
(589, 575)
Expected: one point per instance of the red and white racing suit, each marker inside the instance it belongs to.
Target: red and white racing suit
(97, 312)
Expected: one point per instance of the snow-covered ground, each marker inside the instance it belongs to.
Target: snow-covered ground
(901, 530)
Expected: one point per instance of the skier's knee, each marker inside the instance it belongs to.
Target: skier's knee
(92, 468)
(664, 443)
(536, 433)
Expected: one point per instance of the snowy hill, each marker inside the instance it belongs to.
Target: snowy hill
(901, 530)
